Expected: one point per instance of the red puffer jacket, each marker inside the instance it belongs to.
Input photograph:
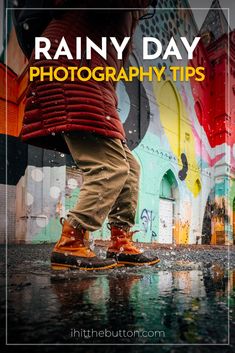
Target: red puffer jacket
(56, 107)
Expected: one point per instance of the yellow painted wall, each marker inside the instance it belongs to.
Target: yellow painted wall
(177, 127)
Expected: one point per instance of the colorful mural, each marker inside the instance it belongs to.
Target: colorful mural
(182, 134)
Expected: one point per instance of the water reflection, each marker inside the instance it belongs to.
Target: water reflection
(184, 306)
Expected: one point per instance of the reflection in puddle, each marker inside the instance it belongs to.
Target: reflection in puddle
(188, 306)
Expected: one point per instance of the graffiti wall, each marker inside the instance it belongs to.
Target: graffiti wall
(181, 132)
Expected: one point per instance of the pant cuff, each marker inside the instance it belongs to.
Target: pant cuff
(74, 223)
(124, 226)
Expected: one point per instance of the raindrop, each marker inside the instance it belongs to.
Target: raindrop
(37, 174)
(54, 192)
(42, 220)
(72, 183)
(29, 199)
(26, 26)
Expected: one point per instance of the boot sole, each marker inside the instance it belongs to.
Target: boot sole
(61, 267)
(129, 263)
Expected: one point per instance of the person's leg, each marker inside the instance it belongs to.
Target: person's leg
(124, 209)
(122, 218)
(105, 171)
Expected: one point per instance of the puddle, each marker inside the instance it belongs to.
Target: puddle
(187, 305)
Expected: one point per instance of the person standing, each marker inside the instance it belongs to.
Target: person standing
(81, 118)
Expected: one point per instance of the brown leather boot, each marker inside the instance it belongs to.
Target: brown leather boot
(125, 252)
(71, 251)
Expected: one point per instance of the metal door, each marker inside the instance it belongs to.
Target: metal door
(165, 221)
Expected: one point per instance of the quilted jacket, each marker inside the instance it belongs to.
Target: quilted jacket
(53, 108)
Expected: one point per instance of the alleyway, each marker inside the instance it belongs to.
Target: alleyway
(182, 300)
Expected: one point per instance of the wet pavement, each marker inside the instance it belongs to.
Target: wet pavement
(187, 299)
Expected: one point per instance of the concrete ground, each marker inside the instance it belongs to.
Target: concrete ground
(185, 304)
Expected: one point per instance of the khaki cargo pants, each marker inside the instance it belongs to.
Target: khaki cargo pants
(110, 181)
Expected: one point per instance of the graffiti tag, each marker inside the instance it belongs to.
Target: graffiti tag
(147, 217)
